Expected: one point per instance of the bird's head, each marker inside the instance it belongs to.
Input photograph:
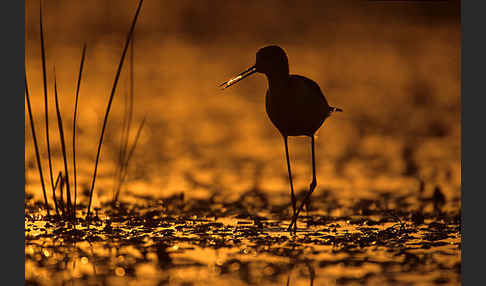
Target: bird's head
(270, 60)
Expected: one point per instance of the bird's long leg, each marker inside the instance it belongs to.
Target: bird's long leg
(311, 188)
(292, 195)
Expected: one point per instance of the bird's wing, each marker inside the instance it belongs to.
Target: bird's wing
(302, 83)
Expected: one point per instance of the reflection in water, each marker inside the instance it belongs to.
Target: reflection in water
(309, 266)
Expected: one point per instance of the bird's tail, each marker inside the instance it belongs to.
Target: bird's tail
(334, 109)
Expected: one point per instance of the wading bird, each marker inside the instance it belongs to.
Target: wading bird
(294, 104)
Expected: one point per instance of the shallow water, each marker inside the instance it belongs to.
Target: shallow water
(206, 200)
(197, 242)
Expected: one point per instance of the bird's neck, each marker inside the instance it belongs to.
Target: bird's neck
(277, 81)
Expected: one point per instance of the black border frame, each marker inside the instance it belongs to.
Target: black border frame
(472, 142)
(473, 60)
(12, 23)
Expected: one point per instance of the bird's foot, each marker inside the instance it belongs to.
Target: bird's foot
(312, 186)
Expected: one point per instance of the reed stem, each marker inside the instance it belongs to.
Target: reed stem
(74, 129)
(105, 120)
(63, 148)
(46, 108)
(36, 145)
(125, 163)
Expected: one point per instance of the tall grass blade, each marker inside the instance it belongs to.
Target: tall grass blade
(37, 156)
(59, 176)
(127, 122)
(117, 76)
(63, 148)
(46, 108)
(130, 105)
(75, 183)
(125, 163)
(122, 149)
(61, 200)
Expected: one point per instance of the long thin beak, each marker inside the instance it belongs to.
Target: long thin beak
(239, 77)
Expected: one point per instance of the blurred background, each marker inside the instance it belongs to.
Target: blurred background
(392, 66)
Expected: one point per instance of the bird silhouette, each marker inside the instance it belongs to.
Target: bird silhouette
(294, 104)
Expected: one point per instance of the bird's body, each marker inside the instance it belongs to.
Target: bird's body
(294, 104)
